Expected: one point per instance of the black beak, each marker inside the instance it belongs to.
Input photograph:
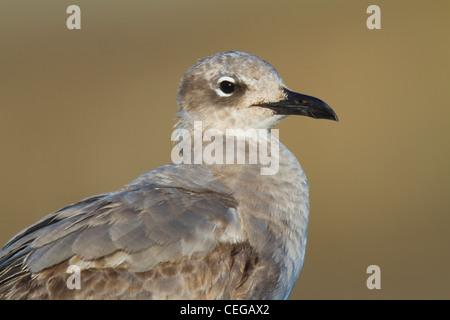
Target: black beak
(300, 104)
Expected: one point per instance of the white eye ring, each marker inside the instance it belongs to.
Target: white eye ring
(219, 90)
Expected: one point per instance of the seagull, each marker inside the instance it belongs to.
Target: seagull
(186, 230)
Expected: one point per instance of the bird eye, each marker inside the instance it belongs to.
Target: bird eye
(227, 86)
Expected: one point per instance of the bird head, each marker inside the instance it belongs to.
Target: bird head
(238, 90)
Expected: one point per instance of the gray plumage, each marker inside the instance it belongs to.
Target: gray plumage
(183, 231)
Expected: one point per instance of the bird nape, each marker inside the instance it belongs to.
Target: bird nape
(212, 225)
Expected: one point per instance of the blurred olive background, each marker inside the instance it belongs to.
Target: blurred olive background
(86, 111)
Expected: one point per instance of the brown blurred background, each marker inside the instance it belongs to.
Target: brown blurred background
(86, 111)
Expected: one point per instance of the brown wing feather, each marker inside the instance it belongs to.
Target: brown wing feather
(230, 271)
